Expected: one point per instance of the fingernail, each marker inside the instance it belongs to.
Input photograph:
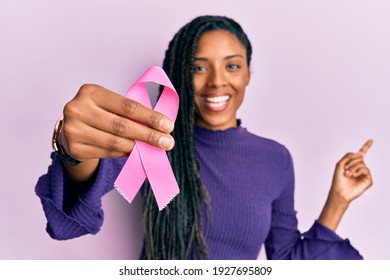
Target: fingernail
(166, 124)
(166, 142)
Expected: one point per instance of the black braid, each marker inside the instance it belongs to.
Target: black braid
(176, 232)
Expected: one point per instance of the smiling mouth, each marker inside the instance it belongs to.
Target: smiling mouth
(216, 103)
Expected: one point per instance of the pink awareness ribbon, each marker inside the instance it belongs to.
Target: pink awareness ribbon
(146, 160)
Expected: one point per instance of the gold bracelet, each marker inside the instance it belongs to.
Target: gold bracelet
(56, 132)
(57, 147)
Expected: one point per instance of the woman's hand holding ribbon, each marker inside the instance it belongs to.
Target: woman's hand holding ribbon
(99, 123)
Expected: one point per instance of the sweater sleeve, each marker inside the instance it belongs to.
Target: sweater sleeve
(70, 212)
(284, 241)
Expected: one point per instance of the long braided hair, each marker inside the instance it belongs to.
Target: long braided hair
(176, 232)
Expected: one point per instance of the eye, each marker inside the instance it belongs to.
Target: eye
(233, 66)
(199, 68)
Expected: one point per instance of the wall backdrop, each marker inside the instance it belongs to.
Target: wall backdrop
(320, 85)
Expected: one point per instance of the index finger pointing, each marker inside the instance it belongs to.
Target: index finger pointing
(363, 150)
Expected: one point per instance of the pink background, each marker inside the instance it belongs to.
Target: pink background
(320, 85)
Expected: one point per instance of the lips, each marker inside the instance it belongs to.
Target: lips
(216, 103)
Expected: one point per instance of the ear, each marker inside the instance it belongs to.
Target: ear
(249, 75)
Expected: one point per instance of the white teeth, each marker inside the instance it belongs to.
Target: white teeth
(216, 105)
(217, 99)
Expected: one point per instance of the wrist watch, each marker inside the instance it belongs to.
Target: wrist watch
(57, 147)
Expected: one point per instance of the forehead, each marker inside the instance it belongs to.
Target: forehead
(219, 42)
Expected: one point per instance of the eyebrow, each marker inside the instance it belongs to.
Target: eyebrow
(225, 58)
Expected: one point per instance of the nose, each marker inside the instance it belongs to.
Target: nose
(216, 79)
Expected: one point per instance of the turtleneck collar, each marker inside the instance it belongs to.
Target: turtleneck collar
(219, 136)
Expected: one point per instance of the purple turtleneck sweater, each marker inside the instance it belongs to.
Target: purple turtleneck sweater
(250, 180)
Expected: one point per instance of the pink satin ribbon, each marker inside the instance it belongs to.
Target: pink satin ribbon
(146, 160)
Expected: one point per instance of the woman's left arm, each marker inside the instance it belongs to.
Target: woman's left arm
(284, 241)
(350, 180)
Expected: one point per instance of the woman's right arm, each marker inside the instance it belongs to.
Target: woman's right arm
(99, 123)
(99, 129)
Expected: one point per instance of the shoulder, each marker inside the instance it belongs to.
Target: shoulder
(269, 145)
(273, 152)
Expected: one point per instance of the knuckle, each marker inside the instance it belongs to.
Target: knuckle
(87, 89)
(74, 150)
(111, 154)
(129, 106)
(118, 147)
(120, 126)
(152, 137)
(344, 159)
(154, 119)
(114, 144)
(71, 109)
(67, 131)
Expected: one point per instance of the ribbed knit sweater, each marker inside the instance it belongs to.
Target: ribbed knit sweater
(250, 180)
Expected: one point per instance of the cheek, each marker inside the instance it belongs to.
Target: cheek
(197, 103)
(240, 84)
(197, 85)
(197, 100)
